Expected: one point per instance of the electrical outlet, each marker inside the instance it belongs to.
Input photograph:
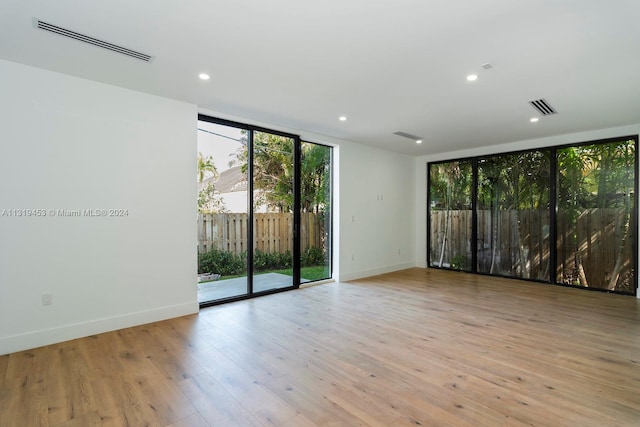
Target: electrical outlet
(47, 299)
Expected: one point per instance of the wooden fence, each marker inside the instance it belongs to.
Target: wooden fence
(273, 232)
(588, 252)
(516, 243)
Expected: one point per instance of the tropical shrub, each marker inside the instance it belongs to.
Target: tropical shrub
(222, 262)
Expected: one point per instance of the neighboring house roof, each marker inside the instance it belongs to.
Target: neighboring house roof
(229, 181)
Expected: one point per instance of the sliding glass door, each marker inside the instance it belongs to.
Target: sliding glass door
(223, 212)
(273, 207)
(264, 209)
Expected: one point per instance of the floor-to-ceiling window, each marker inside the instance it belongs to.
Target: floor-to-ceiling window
(596, 221)
(451, 219)
(513, 220)
(316, 210)
(264, 209)
(223, 211)
(273, 210)
(564, 215)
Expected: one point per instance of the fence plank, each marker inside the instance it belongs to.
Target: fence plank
(591, 243)
(273, 232)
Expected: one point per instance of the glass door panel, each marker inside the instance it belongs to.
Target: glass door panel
(450, 215)
(222, 212)
(513, 215)
(595, 216)
(315, 216)
(273, 204)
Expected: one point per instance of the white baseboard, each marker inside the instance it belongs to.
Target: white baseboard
(374, 272)
(15, 343)
(317, 282)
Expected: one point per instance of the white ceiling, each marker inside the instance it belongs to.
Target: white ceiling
(388, 65)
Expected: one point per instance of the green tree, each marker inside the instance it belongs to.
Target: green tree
(450, 185)
(315, 178)
(596, 176)
(515, 183)
(273, 172)
(450, 189)
(209, 200)
(206, 166)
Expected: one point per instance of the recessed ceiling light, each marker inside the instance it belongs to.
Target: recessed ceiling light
(419, 141)
(343, 118)
(534, 119)
(472, 77)
(204, 76)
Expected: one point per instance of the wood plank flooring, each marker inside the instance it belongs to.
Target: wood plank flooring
(416, 347)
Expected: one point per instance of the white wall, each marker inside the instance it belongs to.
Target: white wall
(68, 143)
(72, 144)
(377, 202)
(421, 170)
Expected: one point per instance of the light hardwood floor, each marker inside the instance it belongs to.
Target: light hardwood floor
(417, 347)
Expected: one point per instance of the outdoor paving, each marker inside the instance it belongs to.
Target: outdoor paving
(226, 288)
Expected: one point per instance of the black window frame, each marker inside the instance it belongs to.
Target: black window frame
(553, 256)
(296, 253)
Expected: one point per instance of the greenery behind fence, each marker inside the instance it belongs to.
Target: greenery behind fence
(594, 205)
(228, 263)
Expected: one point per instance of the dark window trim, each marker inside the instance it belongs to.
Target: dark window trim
(231, 123)
(250, 217)
(474, 216)
(297, 166)
(553, 216)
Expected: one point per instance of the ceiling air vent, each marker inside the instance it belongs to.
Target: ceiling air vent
(90, 40)
(543, 107)
(407, 135)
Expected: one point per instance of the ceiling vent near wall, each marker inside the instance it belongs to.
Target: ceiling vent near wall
(407, 135)
(90, 40)
(543, 107)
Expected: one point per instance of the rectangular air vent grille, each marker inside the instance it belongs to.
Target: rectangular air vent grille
(543, 107)
(407, 135)
(90, 40)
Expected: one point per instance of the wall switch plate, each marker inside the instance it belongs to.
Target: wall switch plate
(47, 299)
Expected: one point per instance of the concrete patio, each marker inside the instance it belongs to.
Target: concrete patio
(226, 288)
